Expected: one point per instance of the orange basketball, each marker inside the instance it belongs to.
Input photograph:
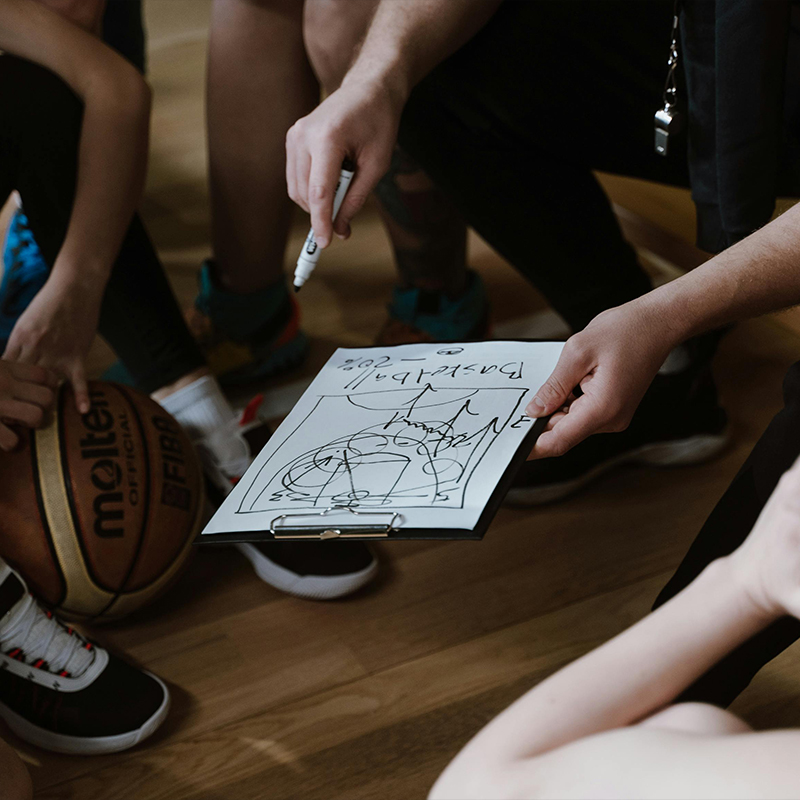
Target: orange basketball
(98, 512)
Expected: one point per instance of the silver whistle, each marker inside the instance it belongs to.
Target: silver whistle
(668, 120)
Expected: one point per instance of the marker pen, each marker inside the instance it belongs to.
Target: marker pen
(309, 255)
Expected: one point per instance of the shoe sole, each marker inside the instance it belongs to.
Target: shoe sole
(85, 745)
(680, 453)
(309, 587)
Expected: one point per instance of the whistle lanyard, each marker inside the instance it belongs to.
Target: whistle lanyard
(668, 119)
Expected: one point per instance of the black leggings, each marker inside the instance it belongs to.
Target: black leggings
(511, 127)
(40, 125)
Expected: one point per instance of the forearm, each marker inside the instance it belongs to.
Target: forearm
(113, 141)
(756, 276)
(629, 677)
(408, 38)
(109, 183)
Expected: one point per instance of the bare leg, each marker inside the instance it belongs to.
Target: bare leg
(427, 233)
(259, 84)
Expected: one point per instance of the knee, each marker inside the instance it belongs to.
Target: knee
(16, 780)
(697, 718)
(332, 30)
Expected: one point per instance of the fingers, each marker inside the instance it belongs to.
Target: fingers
(598, 410)
(34, 393)
(554, 419)
(298, 164)
(583, 419)
(26, 414)
(22, 348)
(325, 168)
(365, 180)
(81, 389)
(291, 174)
(571, 370)
(8, 439)
(34, 373)
(13, 350)
(302, 165)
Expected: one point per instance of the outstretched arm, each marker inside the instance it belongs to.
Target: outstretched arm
(615, 358)
(111, 170)
(405, 40)
(646, 667)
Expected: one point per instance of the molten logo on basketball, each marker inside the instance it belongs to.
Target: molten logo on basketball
(100, 444)
(106, 475)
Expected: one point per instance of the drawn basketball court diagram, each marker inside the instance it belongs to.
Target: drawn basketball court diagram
(404, 448)
(419, 434)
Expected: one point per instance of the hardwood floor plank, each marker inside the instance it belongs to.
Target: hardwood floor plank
(337, 725)
(434, 596)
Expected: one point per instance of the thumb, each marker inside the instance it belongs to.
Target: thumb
(555, 391)
(13, 348)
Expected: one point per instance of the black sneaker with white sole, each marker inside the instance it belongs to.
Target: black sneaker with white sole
(678, 423)
(60, 692)
(320, 570)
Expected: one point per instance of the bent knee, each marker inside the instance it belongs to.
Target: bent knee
(697, 718)
(332, 30)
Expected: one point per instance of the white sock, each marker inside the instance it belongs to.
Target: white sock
(206, 415)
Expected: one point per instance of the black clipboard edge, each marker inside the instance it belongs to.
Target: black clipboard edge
(455, 534)
(411, 534)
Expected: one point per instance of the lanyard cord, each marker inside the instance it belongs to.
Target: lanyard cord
(670, 85)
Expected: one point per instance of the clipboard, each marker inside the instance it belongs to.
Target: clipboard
(381, 525)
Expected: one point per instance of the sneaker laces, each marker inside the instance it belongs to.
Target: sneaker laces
(34, 636)
(26, 252)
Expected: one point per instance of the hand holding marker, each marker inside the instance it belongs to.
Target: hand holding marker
(309, 255)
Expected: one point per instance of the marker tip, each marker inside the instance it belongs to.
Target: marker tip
(297, 288)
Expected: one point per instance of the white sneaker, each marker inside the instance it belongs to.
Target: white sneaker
(60, 691)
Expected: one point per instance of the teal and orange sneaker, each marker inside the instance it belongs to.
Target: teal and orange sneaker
(246, 337)
(418, 315)
(24, 273)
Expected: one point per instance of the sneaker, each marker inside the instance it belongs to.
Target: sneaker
(24, 273)
(246, 337)
(61, 692)
(236, 350)
(678, 423)
(418, 315)
(321, 570)
(312, 570)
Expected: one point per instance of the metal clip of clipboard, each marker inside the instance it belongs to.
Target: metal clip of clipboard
(341, 532)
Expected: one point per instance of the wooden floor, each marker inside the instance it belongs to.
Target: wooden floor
(371, 696)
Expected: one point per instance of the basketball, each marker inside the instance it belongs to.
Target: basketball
(98, 511)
